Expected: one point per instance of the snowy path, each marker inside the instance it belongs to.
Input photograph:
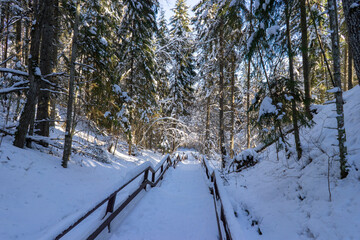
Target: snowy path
(181, 207)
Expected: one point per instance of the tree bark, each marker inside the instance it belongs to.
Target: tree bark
(344, 80)
(69, 113)
(350, 69)
(305, 58)
(18, 44)
(207, 129)
(292, 82)
(248, 124)
(232, 97)
(46, 66)
(335, 45)
(221, 98)
(54, 61)
(352, 16)
(34, 78)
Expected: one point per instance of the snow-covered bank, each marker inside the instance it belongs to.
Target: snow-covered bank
(39, 198)
(286, 199)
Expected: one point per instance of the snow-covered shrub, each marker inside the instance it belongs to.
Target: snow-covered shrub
(244, 159)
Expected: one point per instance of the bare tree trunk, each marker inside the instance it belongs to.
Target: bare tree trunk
(18, 28)
(232, 118)
(350, 69)
(27, 38)
(344, 80)
(292, 82)
(46, 66)
(221, 98)
(335, 43)
(207, 125)
(6, 32)
(248, 124)
(34, 78)
(305, 59)
(352, 16)
(54, 60)
(69, 113)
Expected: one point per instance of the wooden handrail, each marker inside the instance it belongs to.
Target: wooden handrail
(223, 225)
(111, 199)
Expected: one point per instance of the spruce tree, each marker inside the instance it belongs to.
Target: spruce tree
(182, 69)
(137, 63)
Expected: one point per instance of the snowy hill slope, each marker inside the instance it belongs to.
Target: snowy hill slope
(39, 198)
(288, 199)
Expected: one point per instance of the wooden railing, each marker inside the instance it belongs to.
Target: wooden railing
(222, 215)
(160, 169)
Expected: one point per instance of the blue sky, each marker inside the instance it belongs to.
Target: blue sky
(167, 5)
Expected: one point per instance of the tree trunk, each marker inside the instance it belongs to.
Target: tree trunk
(207, 124)
(6, 32)
(46, 66)
(54, 60)
(232, 97)
(350, 69)
(335, 43)
(34, 78)
(248, 124)
(18, 29)
(344, 80)
(69, 113)
(221, 98)
(292, 82)
(352, 16)
(305, 59)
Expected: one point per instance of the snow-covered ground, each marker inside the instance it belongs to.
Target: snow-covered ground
(39, 198)
(180, 208)
(288, 199)
(277, 199)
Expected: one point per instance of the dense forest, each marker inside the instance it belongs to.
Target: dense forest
(239, 74)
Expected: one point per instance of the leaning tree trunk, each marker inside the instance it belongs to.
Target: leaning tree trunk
(335, 45)
(292, 84)
(46, 66)
(34, 78)
(69, 113)
(352, 16)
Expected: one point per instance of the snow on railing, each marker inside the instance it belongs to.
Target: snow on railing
(229, 228)
(157, 174)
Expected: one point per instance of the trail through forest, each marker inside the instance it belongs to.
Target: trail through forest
(180, 208)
